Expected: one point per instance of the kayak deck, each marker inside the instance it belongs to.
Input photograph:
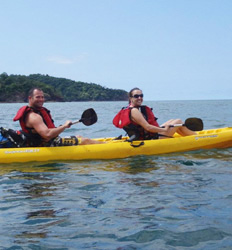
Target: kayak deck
(113, 149)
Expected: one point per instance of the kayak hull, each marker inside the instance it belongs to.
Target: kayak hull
(113, 149)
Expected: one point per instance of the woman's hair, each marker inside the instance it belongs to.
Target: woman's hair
(131, 91)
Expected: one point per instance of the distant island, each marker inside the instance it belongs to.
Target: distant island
(14, 88)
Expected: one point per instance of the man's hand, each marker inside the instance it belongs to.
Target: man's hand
(67, 124)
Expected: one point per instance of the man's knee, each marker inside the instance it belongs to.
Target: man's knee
(84, 141)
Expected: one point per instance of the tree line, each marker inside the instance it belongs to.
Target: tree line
(14, 88)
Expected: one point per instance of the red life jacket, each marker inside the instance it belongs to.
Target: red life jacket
(123, 120)
(23, 112)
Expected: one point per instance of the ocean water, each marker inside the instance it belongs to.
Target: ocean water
(174, 201)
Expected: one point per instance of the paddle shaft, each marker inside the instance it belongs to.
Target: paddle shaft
(88, 117)
(176, 125)
(75, 122)
(194, 124)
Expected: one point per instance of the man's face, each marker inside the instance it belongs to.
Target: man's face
(37, 99)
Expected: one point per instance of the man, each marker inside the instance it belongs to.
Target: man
(36, 122)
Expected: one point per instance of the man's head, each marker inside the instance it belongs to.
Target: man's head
(36, 98)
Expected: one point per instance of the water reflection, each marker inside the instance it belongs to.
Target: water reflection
(188, 239)
(34, 189)
(33, 167)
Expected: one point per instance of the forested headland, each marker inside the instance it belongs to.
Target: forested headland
(14, 88)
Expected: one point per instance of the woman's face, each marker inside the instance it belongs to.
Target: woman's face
(136, 98)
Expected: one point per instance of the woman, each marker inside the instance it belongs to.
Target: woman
(139, 121)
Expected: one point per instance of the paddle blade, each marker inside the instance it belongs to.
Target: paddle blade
(194, 124)
(89, 117)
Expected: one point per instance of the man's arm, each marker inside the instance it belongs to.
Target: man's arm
(36, 122)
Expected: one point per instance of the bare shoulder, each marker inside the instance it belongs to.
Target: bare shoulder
(33, 115)
(137, 116)
(135, 111)
(33, 118)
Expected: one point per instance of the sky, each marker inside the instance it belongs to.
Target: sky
(171, 49)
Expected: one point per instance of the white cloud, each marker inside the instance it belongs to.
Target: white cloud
(60, 60)
(66, 60)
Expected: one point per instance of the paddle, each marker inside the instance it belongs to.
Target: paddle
(89, 117)
(194, 124)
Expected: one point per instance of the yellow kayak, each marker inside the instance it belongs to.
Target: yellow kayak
(113, 149)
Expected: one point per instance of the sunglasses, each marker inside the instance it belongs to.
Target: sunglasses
(137, 96)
